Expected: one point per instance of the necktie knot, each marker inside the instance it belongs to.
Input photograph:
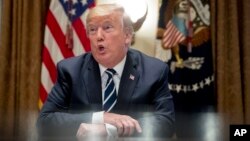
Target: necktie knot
(110, 72)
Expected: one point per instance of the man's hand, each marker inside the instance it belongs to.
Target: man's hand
(91, 130)
(125, 125)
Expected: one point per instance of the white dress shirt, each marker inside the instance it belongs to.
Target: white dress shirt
(97, 117)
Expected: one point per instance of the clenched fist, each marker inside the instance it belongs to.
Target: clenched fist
(91, 130)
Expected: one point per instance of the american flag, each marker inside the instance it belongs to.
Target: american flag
(65, 36)
(175, 32)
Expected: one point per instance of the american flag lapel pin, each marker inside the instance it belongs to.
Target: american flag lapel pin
(132, 77)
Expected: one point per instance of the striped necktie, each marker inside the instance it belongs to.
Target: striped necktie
(110, 96)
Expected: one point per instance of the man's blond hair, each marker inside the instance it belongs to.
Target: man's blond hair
(106, 9)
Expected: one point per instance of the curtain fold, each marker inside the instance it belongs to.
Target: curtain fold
(22, 30)
(245, 50)
(231, 36)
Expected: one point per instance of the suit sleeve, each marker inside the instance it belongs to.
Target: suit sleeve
(55, 118)
(160, 123)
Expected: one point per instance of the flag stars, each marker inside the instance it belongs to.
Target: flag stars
(72, 12)
(178, 88)
(207, 81)
(195, 87)
(84, 2)
(192, 87)
(74, 2)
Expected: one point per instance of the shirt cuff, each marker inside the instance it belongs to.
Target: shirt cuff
(97, 117)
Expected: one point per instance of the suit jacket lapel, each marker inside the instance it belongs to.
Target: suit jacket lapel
(128, 82)
(92, 80)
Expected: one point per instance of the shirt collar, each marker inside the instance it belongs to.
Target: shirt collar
(118, 68)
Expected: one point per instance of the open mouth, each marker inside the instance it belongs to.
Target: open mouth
(101, 48)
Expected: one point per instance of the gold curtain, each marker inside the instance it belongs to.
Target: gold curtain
(22, 28)
(231, 47)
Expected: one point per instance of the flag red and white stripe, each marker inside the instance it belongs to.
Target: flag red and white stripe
(175, 32)
(63, 17)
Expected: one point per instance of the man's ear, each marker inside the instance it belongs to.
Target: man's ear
(128, 37)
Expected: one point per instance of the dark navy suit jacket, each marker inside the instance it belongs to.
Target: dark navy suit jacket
(77, 94)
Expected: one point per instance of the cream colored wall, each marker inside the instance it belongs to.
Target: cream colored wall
(145, 36)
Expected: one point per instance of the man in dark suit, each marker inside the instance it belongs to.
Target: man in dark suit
(112, 91)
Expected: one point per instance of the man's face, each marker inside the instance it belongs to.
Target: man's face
(109, 41)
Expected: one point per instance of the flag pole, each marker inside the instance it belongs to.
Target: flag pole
(69, 30)
(190, 29)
